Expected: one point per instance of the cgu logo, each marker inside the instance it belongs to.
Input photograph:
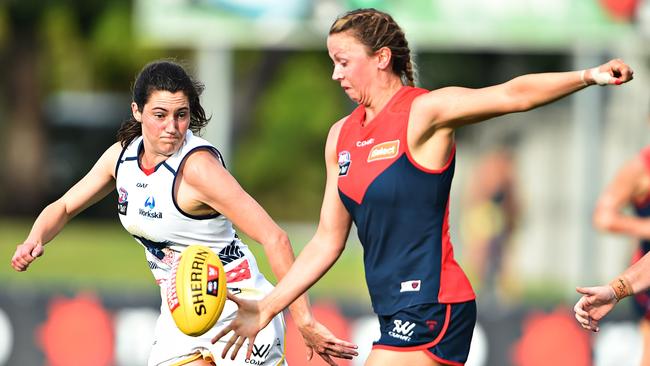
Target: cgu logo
(385, 150)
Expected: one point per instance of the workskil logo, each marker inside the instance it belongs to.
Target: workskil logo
(385, 150)
(150, 204)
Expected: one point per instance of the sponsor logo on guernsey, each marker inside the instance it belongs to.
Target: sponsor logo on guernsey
(385, 150)
(122, 201)
(344, 163)
(410, 286)
(261, 352)
(150, 204)
(363, 143)
(402, 330)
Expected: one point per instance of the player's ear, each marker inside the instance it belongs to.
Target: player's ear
(384, 56)
(136, 112)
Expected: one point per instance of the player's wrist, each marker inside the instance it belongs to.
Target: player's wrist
(584, 76)
(621, 287)
(267, 310)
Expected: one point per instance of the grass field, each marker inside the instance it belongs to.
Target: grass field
(100, 255)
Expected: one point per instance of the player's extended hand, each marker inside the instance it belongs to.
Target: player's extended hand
(249, 321)
(319, 339)
(25, 254)
(594, 304)
(613, 72)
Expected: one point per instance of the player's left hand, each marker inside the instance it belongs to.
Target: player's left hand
(319, 339)
(614, 72)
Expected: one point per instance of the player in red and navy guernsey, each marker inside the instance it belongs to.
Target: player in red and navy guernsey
(630, 187)
(389, 170)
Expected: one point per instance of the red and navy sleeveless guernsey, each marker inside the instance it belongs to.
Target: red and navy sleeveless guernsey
(400, 209)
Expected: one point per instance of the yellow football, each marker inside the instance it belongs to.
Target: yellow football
(196, 292)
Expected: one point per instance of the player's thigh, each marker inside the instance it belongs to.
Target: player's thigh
(384, 357)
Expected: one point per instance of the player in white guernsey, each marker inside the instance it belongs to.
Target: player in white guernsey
(174, 191)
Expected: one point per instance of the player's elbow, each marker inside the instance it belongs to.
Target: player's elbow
(278, 239)
(603, 220)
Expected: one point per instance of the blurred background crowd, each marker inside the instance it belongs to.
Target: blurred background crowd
(521, 207)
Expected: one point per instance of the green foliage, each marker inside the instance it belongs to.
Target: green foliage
(64, 62)
(280, 162)
(117, 56)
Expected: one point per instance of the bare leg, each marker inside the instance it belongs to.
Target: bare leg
(382, 357)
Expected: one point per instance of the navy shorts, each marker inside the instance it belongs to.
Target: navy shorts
(443, 331)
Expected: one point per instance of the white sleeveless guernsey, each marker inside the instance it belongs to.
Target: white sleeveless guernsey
(148, 210)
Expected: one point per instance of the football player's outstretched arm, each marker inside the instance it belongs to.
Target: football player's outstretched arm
(90, 189)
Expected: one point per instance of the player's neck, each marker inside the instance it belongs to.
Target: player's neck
(381, 96)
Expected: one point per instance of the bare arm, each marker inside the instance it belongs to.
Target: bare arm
(596, 302)
(90, 189)
(454, 106)
(631, 183)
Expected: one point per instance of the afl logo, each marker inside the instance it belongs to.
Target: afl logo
(122, 201)
(344, 163)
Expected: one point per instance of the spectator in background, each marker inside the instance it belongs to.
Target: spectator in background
(489, 214)
(174, 191)
(630, 187)
(390, 165)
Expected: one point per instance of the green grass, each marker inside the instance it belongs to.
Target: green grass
(100, 255)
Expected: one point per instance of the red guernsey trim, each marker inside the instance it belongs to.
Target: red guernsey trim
(147, 171)
(422, 346)
(454, 285)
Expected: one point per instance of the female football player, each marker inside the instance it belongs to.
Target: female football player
(174, 191)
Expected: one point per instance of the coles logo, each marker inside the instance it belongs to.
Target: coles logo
(385, 150)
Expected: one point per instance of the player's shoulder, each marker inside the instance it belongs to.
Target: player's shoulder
(335, 130)
(112, 153)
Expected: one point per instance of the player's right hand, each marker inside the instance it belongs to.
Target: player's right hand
(594, 304)
(25, 254)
